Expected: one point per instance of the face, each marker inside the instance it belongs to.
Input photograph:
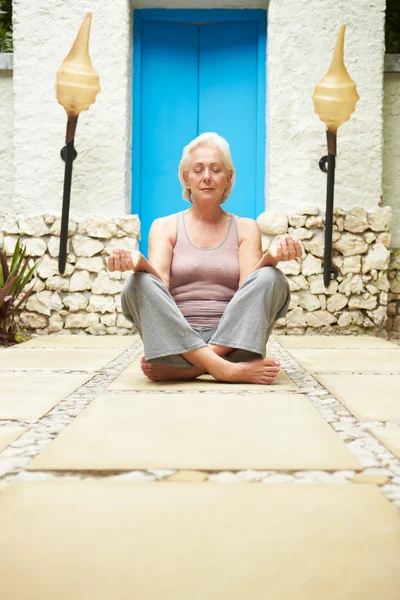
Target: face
(207, 177)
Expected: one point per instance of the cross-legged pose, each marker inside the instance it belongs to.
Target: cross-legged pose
(207, 299)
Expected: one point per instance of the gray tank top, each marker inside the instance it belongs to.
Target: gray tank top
(204, 280)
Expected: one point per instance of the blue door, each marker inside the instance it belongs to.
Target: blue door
(197, 71)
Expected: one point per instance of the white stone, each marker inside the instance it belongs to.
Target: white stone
(122, 322)
(266, 241)
(360, 302)
(377, 258)
(320, 318)
(383, 298)
(40, 304)
(295, 318)
(8, 224)
(311, 265)
(316, 244)
(298, 282)
(350, 244)
(56, 323)
(381, 219)
(290, 267)
(55, 229)
(315, 222)
(49, 267)
(97, 329)
(99, 227)
(369, 237)
(273, 223)
(336, 302)
(103, 284)
(308, 301)
(85, 246)
(99, 303)
(317, 285)
(58, 283)
(384, 238)
(308, 210)
(75, 302)
(53, 247)
(109, 319)
(94, 264)
(34, 246)
(379, 315)
(81, 320)
(32, 320)
(382, 283)
(395, 284)
(33, 225)
(372, 289)
(80, 281)
(300, 233)
(297, 220)
(351, 284)
(130, 225)
(351, 264)
(356, 220)
(126, 243)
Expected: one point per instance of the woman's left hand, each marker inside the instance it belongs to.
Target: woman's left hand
(286, 248)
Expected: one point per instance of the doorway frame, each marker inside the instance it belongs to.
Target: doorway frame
(258, 16)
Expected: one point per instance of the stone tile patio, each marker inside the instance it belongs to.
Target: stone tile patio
(84, 440)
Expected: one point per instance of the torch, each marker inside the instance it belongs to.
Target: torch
(334, 98)
(77, 85)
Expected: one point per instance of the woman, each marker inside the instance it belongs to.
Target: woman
(207, 299)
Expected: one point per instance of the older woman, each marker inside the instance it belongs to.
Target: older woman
(207, 299)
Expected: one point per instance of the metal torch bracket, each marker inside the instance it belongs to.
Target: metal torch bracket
(64, 152)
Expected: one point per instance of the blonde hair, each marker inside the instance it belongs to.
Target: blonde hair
(210, 140)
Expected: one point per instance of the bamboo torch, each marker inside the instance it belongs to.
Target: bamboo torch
(77, 85)
(334, 98)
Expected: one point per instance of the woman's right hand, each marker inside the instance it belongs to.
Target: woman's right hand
(123, 260)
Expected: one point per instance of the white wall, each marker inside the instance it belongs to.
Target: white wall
(391, 151)
(43, 34)
(6, 140)
(301, 39)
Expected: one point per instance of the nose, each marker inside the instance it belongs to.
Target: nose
(207, 174)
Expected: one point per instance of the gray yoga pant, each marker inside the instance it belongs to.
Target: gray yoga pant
(246, 324)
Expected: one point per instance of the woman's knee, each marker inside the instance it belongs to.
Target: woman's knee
(136, 282)
(273, 276)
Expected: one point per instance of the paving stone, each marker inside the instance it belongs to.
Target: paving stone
(31, 396)
(368, 397)
(197, 431)
(58, 360)
(374, 479)
(390, 437)
(364, 360)
(256, 534)
(132, 379)
(189, 476)
(79, 341)
(9, 435)
(332, 341)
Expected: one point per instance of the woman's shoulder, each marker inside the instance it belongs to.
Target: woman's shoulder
(166, 227)
(247, 228)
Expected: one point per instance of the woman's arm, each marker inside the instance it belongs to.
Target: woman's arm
(251, 257)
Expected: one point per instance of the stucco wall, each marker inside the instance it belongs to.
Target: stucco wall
(43, 36)
(301, 38)
(6, 139)
(391, 151)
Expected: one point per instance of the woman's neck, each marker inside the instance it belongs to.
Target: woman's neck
(209, 214)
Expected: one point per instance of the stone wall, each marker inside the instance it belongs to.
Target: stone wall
(357, 300)
(86, 299)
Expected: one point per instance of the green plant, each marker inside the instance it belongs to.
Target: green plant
(392, 27)
(6, 33)
(12, 281)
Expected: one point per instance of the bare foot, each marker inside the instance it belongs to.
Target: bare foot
(262, 371)
(163, 373)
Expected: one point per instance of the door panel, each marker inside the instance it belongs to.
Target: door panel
(169, 102)
(228, 101)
